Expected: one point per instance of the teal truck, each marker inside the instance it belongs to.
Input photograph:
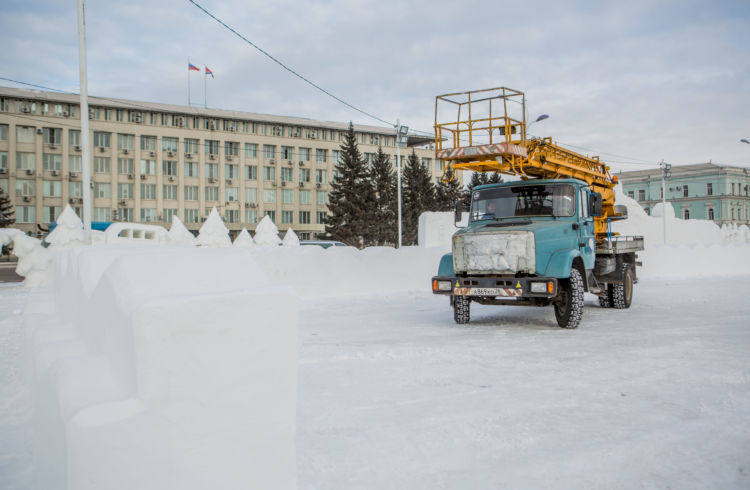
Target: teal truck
(535, 243)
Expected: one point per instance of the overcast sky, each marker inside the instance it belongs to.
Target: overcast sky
(632, 81)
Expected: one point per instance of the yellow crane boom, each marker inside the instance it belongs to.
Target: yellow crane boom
(485, 131)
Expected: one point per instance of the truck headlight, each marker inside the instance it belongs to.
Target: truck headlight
(538, 287)
(444, 285)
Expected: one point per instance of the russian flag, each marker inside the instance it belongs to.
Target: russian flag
(209, 72)
(192, 67)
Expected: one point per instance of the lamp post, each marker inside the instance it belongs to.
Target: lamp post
(743, 140)
(542, 117)
(85, 144)
(401, 137)
(666, 172)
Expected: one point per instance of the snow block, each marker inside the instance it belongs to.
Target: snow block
(179, 370)
(437, 228)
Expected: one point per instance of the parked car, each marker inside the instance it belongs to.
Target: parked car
(323, 243)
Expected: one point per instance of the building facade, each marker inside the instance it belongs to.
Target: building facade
(152, 161)
(708, 191)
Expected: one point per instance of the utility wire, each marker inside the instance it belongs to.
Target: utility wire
(286, 67)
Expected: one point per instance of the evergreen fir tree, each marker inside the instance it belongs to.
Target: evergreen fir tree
(418, 197)
(384, 218)
(6, 211)
(447, 193)
(351, 197)
(479, 178)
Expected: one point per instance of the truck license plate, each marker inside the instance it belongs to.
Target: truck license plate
(487, 292)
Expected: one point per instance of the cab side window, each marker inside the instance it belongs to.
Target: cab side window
(584, 207)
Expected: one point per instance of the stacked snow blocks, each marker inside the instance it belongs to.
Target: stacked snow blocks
(178, 370)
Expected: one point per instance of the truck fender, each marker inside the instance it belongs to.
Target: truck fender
(446, 265)
(561, 262)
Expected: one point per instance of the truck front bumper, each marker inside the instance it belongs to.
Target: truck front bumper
(496, 286)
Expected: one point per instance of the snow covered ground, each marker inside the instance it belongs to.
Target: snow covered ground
(393, 394)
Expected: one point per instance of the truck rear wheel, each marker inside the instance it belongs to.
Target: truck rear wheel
(622, 294)
(569, 308)
(461, 309)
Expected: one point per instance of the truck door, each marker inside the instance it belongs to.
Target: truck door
(586, 231)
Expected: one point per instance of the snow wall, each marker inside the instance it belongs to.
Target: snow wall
(163, 367)
(694, 248)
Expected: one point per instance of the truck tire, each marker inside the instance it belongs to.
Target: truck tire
(622, 294)
(461, 309)
(606, 300)
(569, 308)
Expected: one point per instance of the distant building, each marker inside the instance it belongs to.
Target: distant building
(703, 191)
(151, 161)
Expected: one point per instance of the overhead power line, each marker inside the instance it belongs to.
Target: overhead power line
(272, 58)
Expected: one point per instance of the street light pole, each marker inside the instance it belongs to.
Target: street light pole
(665, 174)
(743, 140)
(401, 132)
(85, 146)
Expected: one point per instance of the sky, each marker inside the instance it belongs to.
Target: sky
(633, 82)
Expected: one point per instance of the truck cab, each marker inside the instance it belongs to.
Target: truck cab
(527, 243)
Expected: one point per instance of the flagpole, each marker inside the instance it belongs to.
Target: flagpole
(205, 79)
(188, 82)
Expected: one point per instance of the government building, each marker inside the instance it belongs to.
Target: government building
(152, 161)
(720, 193)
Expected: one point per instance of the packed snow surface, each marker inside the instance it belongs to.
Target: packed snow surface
(214, 233)
(179, 235)
(243, 239)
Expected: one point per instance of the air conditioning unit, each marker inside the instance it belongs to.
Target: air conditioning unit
(66, 113)
(230, 199)
(26, 199)
(301, 163)
(52, 146)
(317, 185)
(170, 153)
(72, 200)
(101, 149)
(188, 155)
(153, 153)
(3, 170)
(212, 127)
(125, 151)
(171, 178)
(272, 161)
(131, 176)
(143, 176)
(301, 184)
(137, 118)
(91, 114)
(39, 131)
(181, 122)
(55, 173)
(26, 110)
(283, 184)
(73, 175)
(203, 218)
(252, 205)
(290, 163)
(229, 158)
(211, 180)
(77, 147)
(123, 203)
(29, 172)
(229, 181)
(212, 157)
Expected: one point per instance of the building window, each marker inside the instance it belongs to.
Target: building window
(25, 214)
(641, 195)
(148, 167)
(686, 214)
(251, 195)
(102, 214)
(74, 137)
(212, 193)
(287, 174)
(251, 216)
(74, 163)
(52, 188)
(232, 194)
(271, 215)
(251, 172)
(304, 175)
(169, 167)
(4, 160)
(25, 161)
(320, 176)
(287, 196)
(321, 198)
(269, 196)
(709, 189)
(287, 217)
(52, 136)
(191, 169)
(320, 217)
(685, 190)
(191, 215)
(3, 132)
(321, 155)
(126, 141)
(212, 170)
(102, 189)
(231, 148)
(75, 189)
(169, 143)
(148, 191)
(269, 151)
(251, 150)
(50, 213)
(304, 154)
(51, 161)
(102, 165)
(148, 214)
(148, 143)
(231, 171)
(336, 156)
(102, 139)
(169, 192)
(125, 191)
(269, 173)
(711, 213)
(168, 214)
(24, 134)
(732, 188)
(232, 216)
(191, 193)
(191, 145)
(125, 166)
(287, 152)
(304, 217)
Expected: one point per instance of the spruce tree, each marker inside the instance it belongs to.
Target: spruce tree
(6, 211)
(447, 193)
(479, 178)
(383, 217)
(351, 196)
(418, 197)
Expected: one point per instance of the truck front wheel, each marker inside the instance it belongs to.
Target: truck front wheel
(461, 309)
(622, 294)
(569, 307)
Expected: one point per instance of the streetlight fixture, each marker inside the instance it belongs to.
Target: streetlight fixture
(401, 138)
(743, 140)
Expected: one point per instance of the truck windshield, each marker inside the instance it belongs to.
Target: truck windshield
(523, 200)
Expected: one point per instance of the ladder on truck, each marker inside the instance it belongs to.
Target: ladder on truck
(485, 131)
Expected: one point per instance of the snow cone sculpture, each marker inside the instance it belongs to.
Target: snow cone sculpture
(34, 261)
(214, 233)
(68, 232)
(290, 239)
(179, 235)
(266, 233)
(244, 239)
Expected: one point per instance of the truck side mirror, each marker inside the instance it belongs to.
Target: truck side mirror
(595, 204)
(458, 211)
